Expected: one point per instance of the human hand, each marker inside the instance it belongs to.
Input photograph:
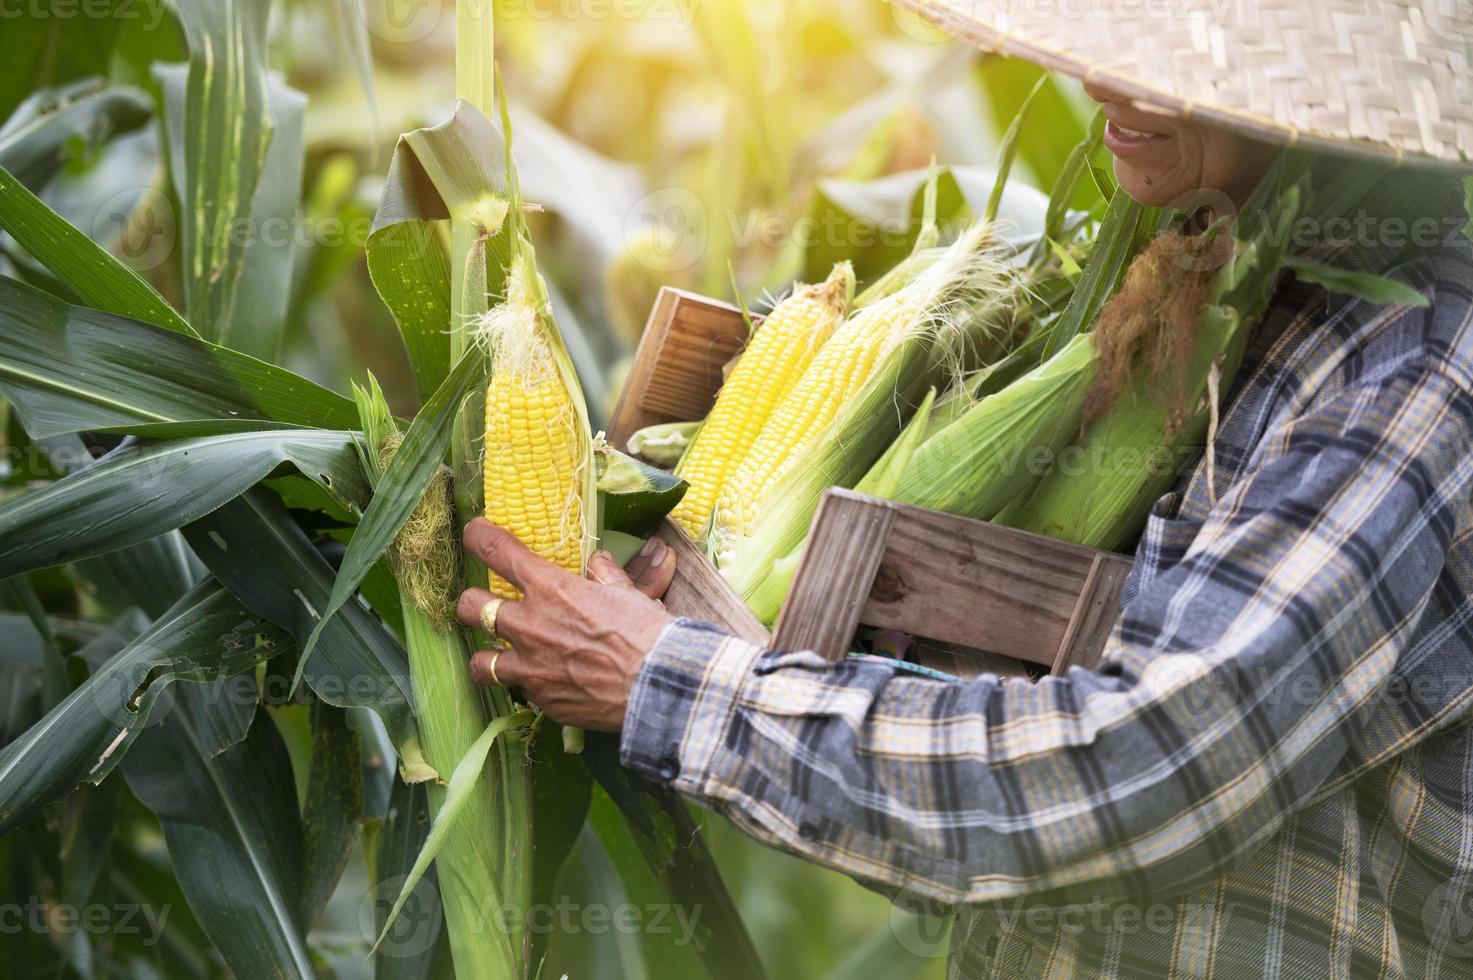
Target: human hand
(576, 644)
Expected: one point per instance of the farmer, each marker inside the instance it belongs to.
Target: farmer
(1271, 772)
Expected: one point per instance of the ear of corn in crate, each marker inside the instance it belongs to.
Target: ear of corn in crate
(1130, 379)
(853, 398)
(778, 356)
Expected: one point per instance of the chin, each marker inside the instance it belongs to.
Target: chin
(1152, 191)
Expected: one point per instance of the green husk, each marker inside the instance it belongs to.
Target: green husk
(664, 444)
(767, 599)
(998, 448)
(1140, 446)
(451, 712)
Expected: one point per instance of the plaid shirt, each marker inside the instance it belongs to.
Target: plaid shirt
(1271, 774)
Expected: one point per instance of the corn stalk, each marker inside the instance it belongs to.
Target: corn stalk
(508, 780)
(451, 712)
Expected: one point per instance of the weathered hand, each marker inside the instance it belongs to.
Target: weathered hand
(576, 643)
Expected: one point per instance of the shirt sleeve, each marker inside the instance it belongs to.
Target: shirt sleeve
(1237, 683)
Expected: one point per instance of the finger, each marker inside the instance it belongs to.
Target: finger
(640, 563)
(468, 607)
(492, 667)
(603, 569)
(501, 552)
(653, 569)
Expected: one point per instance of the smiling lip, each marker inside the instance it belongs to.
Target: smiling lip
(1126, 142)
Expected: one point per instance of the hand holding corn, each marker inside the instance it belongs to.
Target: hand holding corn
(576, 643)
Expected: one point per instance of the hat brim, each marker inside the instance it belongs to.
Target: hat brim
(1444, 142)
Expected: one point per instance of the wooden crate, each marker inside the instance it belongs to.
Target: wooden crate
(986, 597)
(950, 579)
(679, 365)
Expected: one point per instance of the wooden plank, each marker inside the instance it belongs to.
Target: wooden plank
(834, 577)
(677, 369)
(699, 592)
(967, 582)
(1094, 615)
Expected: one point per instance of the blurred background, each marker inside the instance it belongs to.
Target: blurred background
(724, 146)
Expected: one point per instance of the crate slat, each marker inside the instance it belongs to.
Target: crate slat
(677, 369)
(699, 591)
(1094, 615)
(949, 579)
(836, 572)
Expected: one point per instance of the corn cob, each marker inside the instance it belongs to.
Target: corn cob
(780, 352)
(537, 450)
(840, 370)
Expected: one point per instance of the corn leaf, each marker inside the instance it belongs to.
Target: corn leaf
(1112, 250)
(234, 835)
(264, 291)
(45, 48)
(206, 635)
(1008, 148)
(97, 278)
(139, 491)
(57, 124)
(258, 552)
(1046, 143)
(660, 826)
(1066, 186)
(69, 369)
(54, 682)
(353, 29)
(1359, 285)
(633, 497)
(407, 263)
(398, 491)
(458, 793)
(217, 124)
(642, 886)
(562, 789)
(332, 810)
(884, 476)
(877, 221)
(152, 575)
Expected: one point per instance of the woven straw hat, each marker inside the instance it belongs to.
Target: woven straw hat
(1383, 78)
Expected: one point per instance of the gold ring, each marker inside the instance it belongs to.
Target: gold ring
(491, 668)
(488, 616)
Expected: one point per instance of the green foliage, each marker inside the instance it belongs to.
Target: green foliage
(163, 279)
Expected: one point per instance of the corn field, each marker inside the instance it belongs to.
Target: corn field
(253, 256)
